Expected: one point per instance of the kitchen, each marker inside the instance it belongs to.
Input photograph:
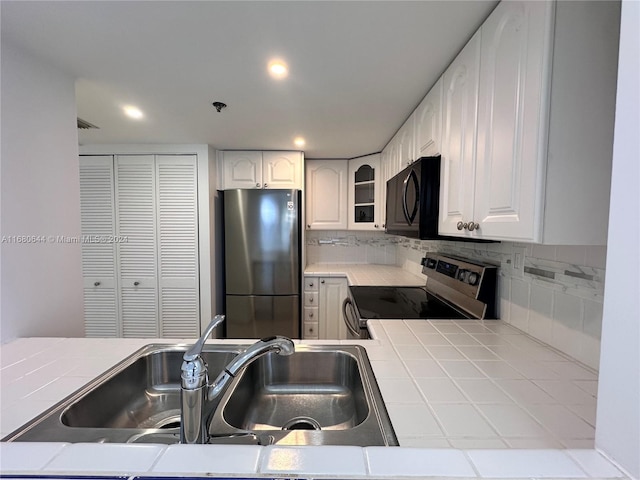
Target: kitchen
(64, 201)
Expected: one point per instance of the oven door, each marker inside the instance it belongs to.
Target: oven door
(351, 320)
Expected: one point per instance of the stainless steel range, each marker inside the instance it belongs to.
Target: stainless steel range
(456, 288)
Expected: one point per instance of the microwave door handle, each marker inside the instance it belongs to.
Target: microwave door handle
(345, 305)
(405, 209)
(410, 217)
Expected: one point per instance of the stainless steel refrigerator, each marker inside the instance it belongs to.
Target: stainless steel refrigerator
(262, 231)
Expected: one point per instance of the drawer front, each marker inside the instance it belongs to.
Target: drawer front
(311, 284)
(310, 314)
(310, 330)
(310, 299)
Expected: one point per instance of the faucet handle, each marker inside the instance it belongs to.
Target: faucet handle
(195, 351)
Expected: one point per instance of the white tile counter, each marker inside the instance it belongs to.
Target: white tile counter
(369, 274)
(467, 399)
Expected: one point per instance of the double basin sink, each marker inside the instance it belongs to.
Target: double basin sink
(320, 395)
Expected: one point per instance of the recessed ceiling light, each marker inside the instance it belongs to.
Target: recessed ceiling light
(133, 112)
(278, 69)
(299, 142)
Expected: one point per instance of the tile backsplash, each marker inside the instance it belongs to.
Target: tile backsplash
(555, 296)
(343, 246)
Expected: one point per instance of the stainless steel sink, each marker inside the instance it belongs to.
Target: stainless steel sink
(319, 395)
(145, 394)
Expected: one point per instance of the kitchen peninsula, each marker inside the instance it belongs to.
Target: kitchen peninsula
(466, 398)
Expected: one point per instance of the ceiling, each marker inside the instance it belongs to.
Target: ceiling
(357, 69)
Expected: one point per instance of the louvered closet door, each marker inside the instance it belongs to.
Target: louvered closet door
(136, 227)
(178, 246)
(98, 249)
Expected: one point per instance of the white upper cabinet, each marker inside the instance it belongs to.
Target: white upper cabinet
(511, 105)
(546, 103)
(241, 169)
(460, 99)
(385, 174)
(405, 143)
(256, 169)
(364, 193)
(326, 194)
(428, 123)
(282, 170)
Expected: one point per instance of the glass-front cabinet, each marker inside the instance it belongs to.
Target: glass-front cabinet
(364, 193)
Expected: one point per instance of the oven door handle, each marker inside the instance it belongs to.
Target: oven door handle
(347, 304)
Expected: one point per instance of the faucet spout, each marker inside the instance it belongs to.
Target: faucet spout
(196, 392)
(278, 344)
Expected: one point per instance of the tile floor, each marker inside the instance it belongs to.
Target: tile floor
(473, 384)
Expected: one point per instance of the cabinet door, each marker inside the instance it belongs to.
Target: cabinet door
(333, 291)
(405, 144)
(364, 193)
(385, 170)
(326, 194)
(177, 211)
(137, 261)
(460, 99)
(241, 169)
(508, 179)
(428, 127)
(97, 218)
(282, 170)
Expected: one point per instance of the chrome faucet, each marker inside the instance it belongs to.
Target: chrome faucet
(196, 391)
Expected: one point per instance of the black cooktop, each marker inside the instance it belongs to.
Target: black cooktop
(400, 302)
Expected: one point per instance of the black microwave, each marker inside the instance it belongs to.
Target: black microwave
(413, 200)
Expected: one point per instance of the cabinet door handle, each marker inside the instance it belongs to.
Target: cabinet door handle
(311, 284)
(135, 284)
(321, 281)
(311, 315)
(376, 225)
(265, 185)
(95, 284)
(473, 226)
(461, 225)
(308, 226)
(258, 185)
(311, 300)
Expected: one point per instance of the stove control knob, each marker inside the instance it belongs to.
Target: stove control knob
(462, 275)
(473, 278)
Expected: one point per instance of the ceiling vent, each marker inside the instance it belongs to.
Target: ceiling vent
(85, 125)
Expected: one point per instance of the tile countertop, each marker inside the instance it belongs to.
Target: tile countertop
(358, 274)
(467, 399)
(473, 416)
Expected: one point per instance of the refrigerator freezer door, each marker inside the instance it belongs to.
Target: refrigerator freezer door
(262, 242)
(261, 316)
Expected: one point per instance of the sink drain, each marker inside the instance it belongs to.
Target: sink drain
(166, 420)
(301, 423)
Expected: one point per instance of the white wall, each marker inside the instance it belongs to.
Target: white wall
(618, 417)
(41, 282)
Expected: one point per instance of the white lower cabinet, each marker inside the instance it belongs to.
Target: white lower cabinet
(322, 316)
(140, 245)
